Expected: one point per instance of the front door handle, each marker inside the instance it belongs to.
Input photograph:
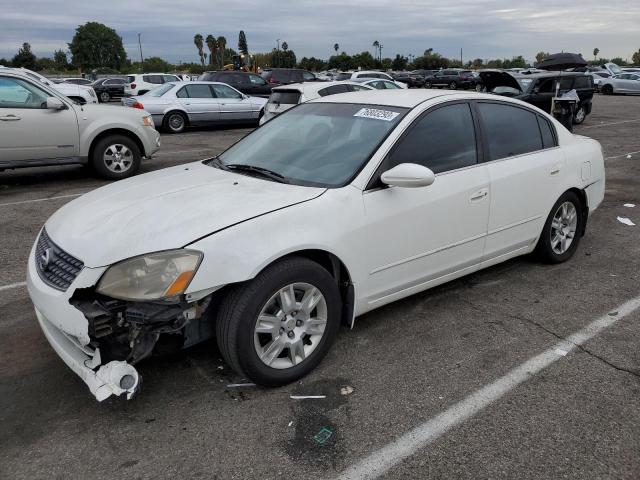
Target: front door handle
(479, 195)
(555, 170)
(9, 118)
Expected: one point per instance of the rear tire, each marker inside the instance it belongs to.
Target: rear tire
(580, 115)
(105, 97)
(607, 90)
(262, 351)
(427, 84)
(174, 122)
(453, 86)
(563, 229)
(115, 157)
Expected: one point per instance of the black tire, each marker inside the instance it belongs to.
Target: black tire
(544, 248)
(453, 86)
(104, 97)
(174, 122)
(427, 85)
(241, 306)
(607, 90)
(101, 166)
(580, 115)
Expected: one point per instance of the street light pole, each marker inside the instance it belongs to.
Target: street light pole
(278, 56)
(141, 58)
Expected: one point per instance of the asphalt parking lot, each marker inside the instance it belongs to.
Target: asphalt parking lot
(458, 367)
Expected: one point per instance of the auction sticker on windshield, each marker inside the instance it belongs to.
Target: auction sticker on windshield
(376, 113)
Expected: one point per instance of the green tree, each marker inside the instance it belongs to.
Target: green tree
(399, 63)
(156, 64)
(222, 46)
(212, 45)
(336, 47)
(24, 58)
(541, 56)
(198, 41)
(635, 58)
(242, 43)
(95, 45)
(60, 60)
(340, 62)
(619, 61)
(386, 63)
(314, 64)
(5, 62)
(431, 60)
(285, 46)
(364, 60)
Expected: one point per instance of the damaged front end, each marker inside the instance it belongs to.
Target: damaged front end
(122, 333)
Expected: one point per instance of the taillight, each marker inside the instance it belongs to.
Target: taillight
(272, 80)
(138, 105)
(133, 85)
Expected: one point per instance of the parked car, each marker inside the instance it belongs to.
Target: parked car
(623, 83)
(287, 76)
(77, 81)
(284, 98)
(108, 88)
(380, 84)
(412, 80)
(598, 77)
(295, 229)
(78, 93)
(41, 126)
(175, 106)
(139, 84)
(366, 74)
(247, 83)
(452, 79)
(540, 89)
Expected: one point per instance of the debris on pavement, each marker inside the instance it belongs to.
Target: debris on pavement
(240, 385)
(626, 221)
(323, 435)
(346, 390)
(305, 397)
(629, 205)
(290, 423)
(561, 352)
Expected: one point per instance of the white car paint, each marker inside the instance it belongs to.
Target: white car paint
(86, 93)
(140, 83)
(393, 242)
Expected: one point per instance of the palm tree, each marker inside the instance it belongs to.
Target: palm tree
(596, 51)
(285, 46)
(336, 47)
(198, 40)
(222, 45)
(212, 46)
(376, 45)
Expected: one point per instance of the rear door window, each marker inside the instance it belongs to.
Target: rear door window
(308, 76)
(224, 91)
(509, 130)
(285, 97)
(548, 138)
(256, 80)
(170, 78)
(198, 91)
(582, 82)
(157, 79)
(332, 90)
(282, 76)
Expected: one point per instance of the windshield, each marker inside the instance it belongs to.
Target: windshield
(159, 91)
(614, 68)
(525, 83)
(316, 144)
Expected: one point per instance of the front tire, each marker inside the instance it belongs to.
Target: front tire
(580, 115)
(607, 90)
(453, 86)
(427, 84)
(116, 157)
(105, 97)
(277, 328)
(563, 229)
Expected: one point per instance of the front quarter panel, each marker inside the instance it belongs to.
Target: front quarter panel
(332, 222)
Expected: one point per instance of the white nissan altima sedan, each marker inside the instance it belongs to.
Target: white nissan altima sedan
(334, 208)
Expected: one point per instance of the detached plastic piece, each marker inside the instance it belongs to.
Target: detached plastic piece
(118, 377)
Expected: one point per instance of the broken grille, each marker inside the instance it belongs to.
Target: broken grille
(56, 267)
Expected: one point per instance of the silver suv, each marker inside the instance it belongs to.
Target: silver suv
(40, 126)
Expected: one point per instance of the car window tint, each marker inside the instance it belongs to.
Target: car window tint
(390, 85)
(16, 93)
(308, 76)
(239, 79)
(182, 93)
(199, 91)
(548, 138)
(170, 78)
(256, 80)
(546, 85)
(357, 88)
(566, 83)
(509, 130)
(442, 140)
(223, 91)
(332, 90)
(582, 82)
(131, 78)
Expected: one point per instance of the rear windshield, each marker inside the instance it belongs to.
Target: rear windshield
(287, 97)
(160, 91)
(207, 77)
(343, 76)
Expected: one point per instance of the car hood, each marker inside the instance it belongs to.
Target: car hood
(493, 79)
(162, 210)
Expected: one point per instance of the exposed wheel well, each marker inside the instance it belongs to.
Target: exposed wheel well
(184, 115)
(582, 195)
(116, 131)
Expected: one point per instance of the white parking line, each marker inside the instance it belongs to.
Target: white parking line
(40, 199)
(622, 155)
(612, 123)
(182, 151)
(12, 285)
(380, 461)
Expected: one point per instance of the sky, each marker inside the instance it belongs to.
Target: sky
(481, 28)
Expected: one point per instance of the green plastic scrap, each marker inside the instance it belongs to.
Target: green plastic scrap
(323, 435)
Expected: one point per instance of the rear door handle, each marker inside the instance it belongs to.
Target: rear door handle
(479, 195)
(9, 118)
(554, 171)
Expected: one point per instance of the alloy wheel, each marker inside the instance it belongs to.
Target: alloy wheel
(176, 122)
(563, 227)
(118, 158)
(290, 325)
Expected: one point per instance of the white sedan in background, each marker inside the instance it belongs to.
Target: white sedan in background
(287, 96)
(175, 106)
(623, 83)
(335, 208)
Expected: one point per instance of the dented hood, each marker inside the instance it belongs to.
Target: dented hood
(165, 209)
(494, 78)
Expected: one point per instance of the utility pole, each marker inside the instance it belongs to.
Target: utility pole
(461, 64)
(380, 50)
(278, 56)
(141, 58)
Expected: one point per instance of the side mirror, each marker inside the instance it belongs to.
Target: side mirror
(54, 103)
(408, 175)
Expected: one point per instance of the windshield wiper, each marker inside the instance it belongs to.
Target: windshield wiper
(261, 171)
(216, 162)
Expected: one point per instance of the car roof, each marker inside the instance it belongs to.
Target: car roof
(311, 87)
(395, 98)
(554, 74)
